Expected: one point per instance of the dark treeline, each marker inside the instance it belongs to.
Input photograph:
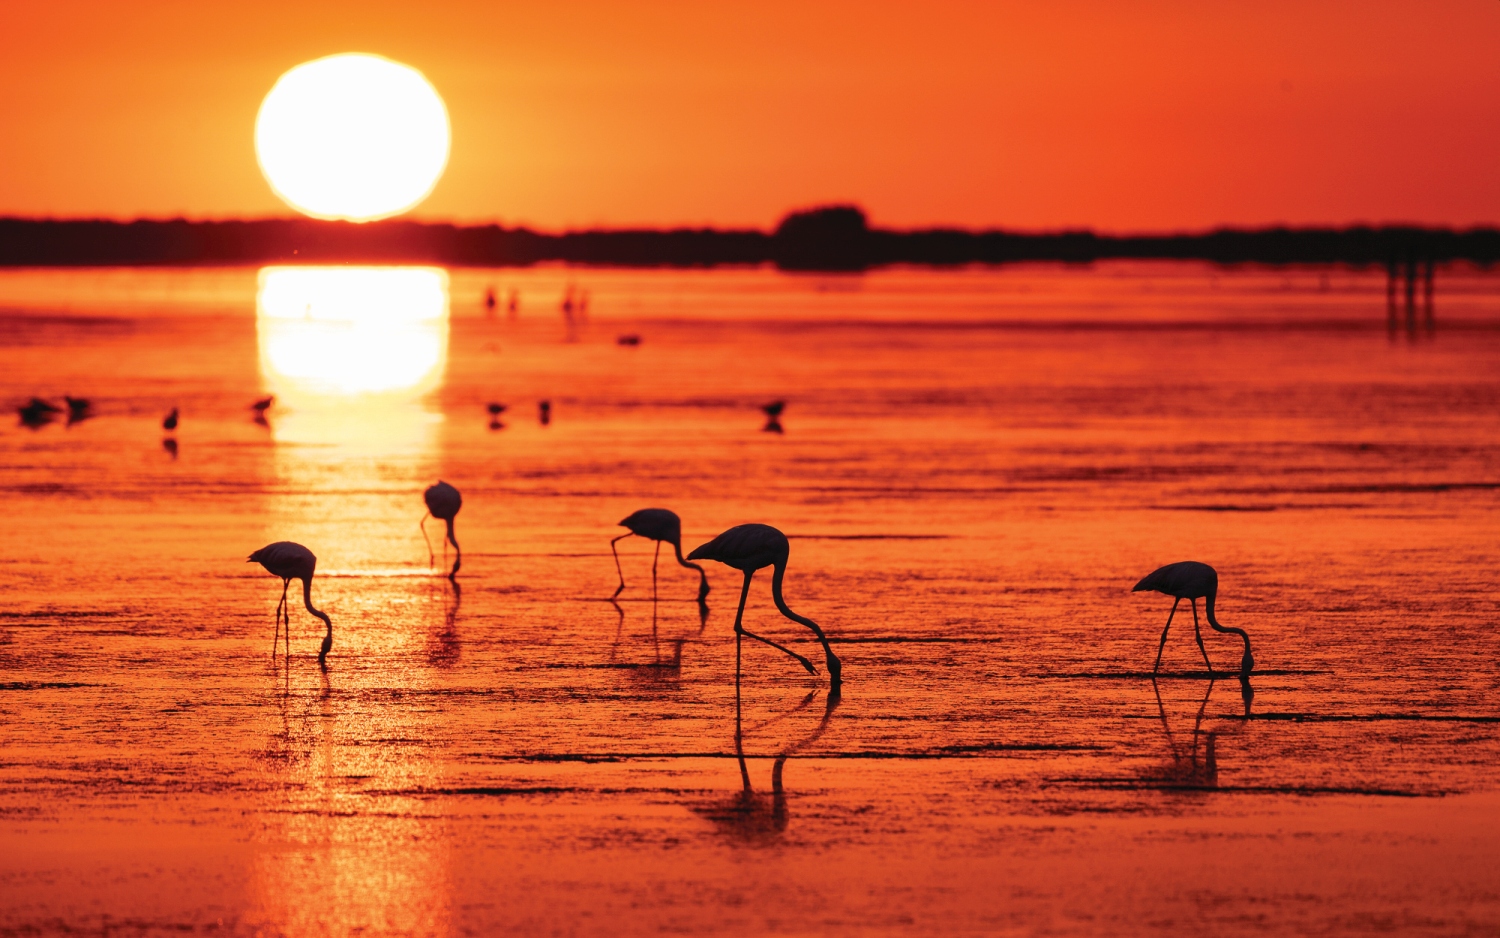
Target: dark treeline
(834, 238)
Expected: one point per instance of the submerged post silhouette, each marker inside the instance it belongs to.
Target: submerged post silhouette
(750, 547)
(659, 525)
(443, 501)
(1191, 580)
(293, 562)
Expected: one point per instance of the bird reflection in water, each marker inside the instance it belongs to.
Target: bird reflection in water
(443, 648)
(349, 355)
(661, 670)
(1195, 764)
(773, 412)
(748, 816)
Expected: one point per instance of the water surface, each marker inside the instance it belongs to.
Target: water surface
(974, 467)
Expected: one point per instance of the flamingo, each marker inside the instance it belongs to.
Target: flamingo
(443, 501)
(293, 562)
(170, 423)
(749, 547)
(1190, 580)
(659, 525)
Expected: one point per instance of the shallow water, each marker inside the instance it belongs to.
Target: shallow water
(974, 468)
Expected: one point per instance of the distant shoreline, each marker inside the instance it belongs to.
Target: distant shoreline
(825, 239)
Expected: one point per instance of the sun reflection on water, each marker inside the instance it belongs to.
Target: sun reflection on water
(350, 352)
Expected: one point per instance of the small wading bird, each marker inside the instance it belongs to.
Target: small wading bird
(443, 501)
(170, 423)
(749, 547)
(78, 409)
(659, 525)
(773, 416)
(264, 404)
(37, 412)
(293, 562)
(1191, 580)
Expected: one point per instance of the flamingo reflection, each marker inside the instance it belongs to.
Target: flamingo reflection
(748, 816)
(443, 650)
(1195, 763)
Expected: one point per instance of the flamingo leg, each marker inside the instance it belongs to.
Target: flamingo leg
(616, 552)
(1157, 666)
(281, 610)
(654, 558)
(458, 553)
(739, 629)
(423, 525)
(1199, 635)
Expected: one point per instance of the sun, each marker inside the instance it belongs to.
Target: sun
(352, 136)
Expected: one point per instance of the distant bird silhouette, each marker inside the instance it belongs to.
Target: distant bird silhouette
(79, 408)
(773, 417)
(293, 562)
(495, 410)
(631, 340)
(1191, 580)
(544, 412)
(264, 404)
(659, 525)
(489, 301)
(170, 423)
(749, 547)
(37, 412)
(443, 501)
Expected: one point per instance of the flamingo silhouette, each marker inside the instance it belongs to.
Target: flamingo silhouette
(170, 423)
(656, 524)
(293, 562)
(443, 501)
(1191, 580)
(749, 547)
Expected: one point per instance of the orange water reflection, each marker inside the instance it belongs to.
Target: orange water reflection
(353, 356)
(350, 352)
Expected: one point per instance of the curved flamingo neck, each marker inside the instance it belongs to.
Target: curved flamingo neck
(776, 578)
(1208, 609)
(683, 561)
(307, 601)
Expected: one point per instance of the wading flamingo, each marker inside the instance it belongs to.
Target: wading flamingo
(749, 547)
(443, 501)
(1191, 580)
(293, 562)
(659, 525)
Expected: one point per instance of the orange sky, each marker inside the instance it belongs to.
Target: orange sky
(1117, 114)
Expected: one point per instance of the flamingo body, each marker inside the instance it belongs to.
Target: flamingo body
(1191, 580)
(291, 561)
(658, 524)
(751, 547)
(1186, 579)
